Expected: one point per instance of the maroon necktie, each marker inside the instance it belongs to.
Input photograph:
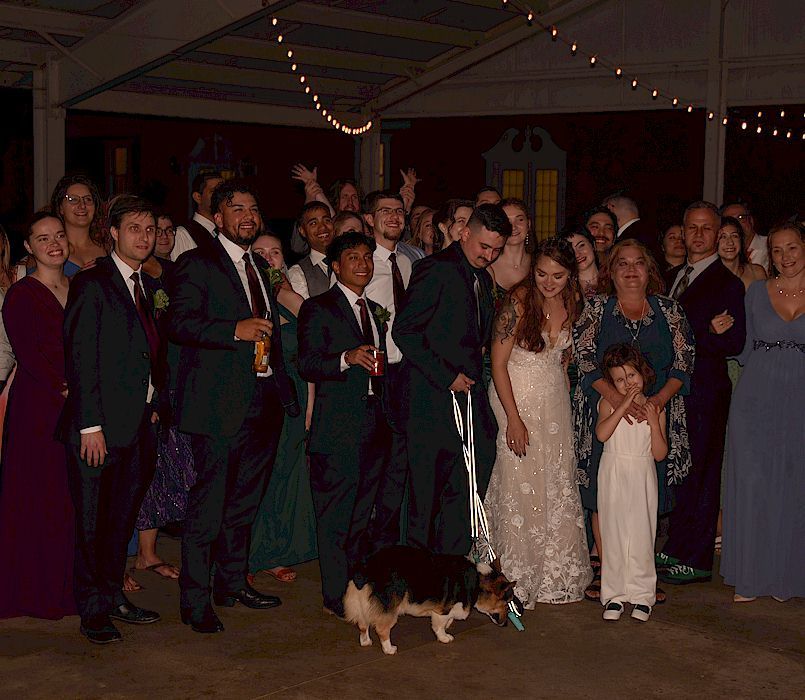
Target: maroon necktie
(369, 339)
(397, 283)
(151, 332)
(258, 301)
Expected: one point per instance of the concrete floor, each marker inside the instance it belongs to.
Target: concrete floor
(699, 644)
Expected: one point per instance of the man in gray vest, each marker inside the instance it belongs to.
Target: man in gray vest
(310, 276)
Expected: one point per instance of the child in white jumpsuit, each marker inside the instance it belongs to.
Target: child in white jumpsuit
(627, 486)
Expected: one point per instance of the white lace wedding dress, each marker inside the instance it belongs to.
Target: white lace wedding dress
(536, 525)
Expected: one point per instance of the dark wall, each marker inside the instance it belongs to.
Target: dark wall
(16, 163)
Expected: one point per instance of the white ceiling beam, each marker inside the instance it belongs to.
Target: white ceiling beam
(248, 77)
(123, 102)
(152, 33)
(312, 56)
(22, 52)
(374, 23)
(51, 21)
(518, 30)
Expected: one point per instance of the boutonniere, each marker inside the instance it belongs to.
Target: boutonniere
(161, 300)
(383, 315)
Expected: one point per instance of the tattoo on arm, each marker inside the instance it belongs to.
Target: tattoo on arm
(506, 321)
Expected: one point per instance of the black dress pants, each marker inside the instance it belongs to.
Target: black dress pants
(344, 486)
(107, 500)
(232, 475)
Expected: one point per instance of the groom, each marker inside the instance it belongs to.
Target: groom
(443, 330)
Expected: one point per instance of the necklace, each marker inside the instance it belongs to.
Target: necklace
(628, 323)
(787, 295)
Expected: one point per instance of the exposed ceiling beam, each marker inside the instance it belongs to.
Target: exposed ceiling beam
(247, 77)
(150, 34)
(10, 78)
(312, 56)
(51, 21)
(519, 31)
(22, 52)
(374, 23)
(120, 101)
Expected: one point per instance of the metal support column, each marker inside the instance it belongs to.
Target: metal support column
(49, 133)
(715, 133)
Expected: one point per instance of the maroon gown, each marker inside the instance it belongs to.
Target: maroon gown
(37, 524)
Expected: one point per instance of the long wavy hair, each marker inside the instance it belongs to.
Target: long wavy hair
(794, 226)
(98, 232)
(529, 331)
(743, 258)
(655, 283)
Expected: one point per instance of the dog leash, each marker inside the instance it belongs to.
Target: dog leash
(479, 526)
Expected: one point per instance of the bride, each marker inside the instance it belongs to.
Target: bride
(536, 526)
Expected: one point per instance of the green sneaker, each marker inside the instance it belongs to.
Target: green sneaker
(681, 574)
(664, 561)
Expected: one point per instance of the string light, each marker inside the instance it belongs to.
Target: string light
(675, 102)
(593, 59)
(782, 113)
(279, 39)
(619, 71)
(774, 133)
(788, 134)
(724, 121)
(654, 93)
(274, 21)
(634, 84)
(290, 53)
(574, 48)
(759, 115)
(710, 116)
(759, 128)
(743, 126)
(690, 108)
(554, 33)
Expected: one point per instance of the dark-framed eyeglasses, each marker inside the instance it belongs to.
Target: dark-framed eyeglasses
(167, 231)
(75, 200)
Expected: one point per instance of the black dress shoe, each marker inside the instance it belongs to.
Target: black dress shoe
(100, 630)
(134, 615)
(205, 623)
(247, 596)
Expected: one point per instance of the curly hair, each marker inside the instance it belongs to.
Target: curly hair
(624, 354)
(743, 258)
(529, 332)
(655, 282)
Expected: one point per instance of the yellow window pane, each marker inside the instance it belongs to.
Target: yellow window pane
(546, 201)
(513, 183)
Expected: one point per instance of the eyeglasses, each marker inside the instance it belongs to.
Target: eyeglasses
(385, 211)
(167, 231)
(74, 201)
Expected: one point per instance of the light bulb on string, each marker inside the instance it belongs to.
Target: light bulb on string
(759, 115)
(654, 93)
(690, 108)
(293, 66)
(774, 132)
(307, 89)
(318, 105)
(529, 18)
(274, 21)
(724, 121)
(788, 134)
(710, 116)
(618, 72)
(593, 59)
(634, 84)
(279, 38)
(675, 102)
(743, 126)
(574, 48)
(324, 113)
(759, 128)
(302, 79)
(315, 98)
(782, 113)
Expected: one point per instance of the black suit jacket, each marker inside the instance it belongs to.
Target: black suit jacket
(215, 380)
(107, 360)
(327, 328)
(714, 290)
(641, 230)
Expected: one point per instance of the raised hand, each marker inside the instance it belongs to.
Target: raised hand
(301, 173)
(407, 190)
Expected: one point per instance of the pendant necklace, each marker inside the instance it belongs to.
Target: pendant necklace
(628, 321)
(787, 295)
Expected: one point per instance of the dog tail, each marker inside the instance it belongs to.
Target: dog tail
(357, 604)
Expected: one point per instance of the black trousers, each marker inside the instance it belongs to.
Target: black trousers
(393, 481)
(692, 523)
(232, 474)
(107, 500)
(438, 505)
(344, 486)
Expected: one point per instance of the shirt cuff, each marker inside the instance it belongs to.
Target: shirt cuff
(93, 429)
(344, 364)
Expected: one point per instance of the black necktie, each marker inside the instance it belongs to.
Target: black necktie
(683, 283)
(258, 301)
(151, 332)
(398, 287)
(369, 339)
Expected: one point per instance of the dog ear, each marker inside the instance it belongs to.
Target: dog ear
(496, 566)
(508, 591)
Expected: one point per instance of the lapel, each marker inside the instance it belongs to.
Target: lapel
(230, 272)
(118, 284)
(702, 282)
(342, 304)
(381, 327)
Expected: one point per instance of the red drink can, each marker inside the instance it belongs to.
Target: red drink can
(380, 363)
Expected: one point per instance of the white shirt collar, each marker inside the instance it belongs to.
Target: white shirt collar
(233, 250)
(627, 225)
(701, 265)
(316, 257)
(352, 298)
(205, 222)
(384, 253)
(124, 267)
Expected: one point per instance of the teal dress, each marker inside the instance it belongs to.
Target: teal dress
(284, 529)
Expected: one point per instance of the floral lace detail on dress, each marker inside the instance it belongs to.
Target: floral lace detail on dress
(533, 506)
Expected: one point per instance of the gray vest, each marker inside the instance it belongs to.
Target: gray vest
(316, 278)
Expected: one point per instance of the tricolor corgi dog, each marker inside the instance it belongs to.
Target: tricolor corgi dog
(407, 581)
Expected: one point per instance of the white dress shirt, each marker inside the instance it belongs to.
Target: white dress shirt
(381, 291)
(352, 300)
(236, 253)
(184, 241)
(125, 271)
(297, 278)
(698, 268)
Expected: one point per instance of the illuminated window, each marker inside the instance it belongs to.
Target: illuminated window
(513, 182)
(545, 201)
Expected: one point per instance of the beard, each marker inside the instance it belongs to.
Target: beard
(243, 236)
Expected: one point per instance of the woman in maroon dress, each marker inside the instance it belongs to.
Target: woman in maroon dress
(36, 514)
